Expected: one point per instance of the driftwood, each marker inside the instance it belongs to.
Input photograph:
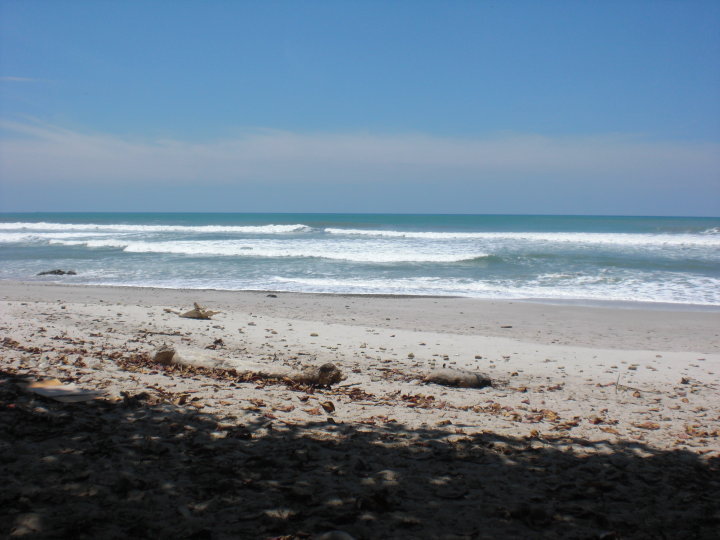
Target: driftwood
(198, 312)
(458, 377)
(324, 375)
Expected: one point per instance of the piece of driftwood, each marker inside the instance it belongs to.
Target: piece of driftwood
(324, 375)
(168, 356)
(458, 377)
(198, 312)
(64, 392)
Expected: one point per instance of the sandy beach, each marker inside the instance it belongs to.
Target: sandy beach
(602, 421)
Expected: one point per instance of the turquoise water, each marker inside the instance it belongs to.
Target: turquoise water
(650, 259)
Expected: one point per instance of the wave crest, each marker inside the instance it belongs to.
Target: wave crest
(269, 249)
(707, 239)
(247, 229)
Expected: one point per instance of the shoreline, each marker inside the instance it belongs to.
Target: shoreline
(580, 302)
(608, 326)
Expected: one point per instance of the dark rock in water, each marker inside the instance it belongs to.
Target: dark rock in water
(58, 272)
(458, 377)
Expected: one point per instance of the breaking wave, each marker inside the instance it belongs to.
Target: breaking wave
(241, 229)
(676, 289)
(619, 239)
(323, 250)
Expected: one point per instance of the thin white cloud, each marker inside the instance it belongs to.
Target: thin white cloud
(44, 154)
(18, 79)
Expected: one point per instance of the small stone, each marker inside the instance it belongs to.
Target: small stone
(325, 375)
(165, 356)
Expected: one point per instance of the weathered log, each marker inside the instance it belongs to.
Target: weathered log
(458, 377)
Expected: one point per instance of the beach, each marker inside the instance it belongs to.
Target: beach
(359, 270)
(602, 420)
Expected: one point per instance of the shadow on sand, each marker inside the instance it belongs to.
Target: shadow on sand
(145, 469)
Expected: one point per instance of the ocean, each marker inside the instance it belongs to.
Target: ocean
(555, 258)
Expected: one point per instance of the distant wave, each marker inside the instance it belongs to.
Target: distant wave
(247, 229)
(622, 239)
(16, 237)
(406, 234)
(364, 254)
(104, 243)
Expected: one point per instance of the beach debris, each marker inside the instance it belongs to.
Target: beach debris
(58, 272)
(333, 535)
(199, 312)
(458, 377)
(647, 425)
(165, 356)
(325, 375)
(218, 343)
(168, 356)
(26, 525)
(328, 406)
(63, 392)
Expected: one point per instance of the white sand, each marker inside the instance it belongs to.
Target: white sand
(601, 371)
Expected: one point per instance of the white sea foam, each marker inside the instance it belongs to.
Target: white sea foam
(366, 252)
(621, 239)
(240, 229)
(103, 243)
(19, 237)
(406, 234)
(675, 289)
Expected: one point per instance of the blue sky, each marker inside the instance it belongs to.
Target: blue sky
(595, 107)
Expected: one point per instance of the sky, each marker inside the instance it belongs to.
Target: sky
(553, 107)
